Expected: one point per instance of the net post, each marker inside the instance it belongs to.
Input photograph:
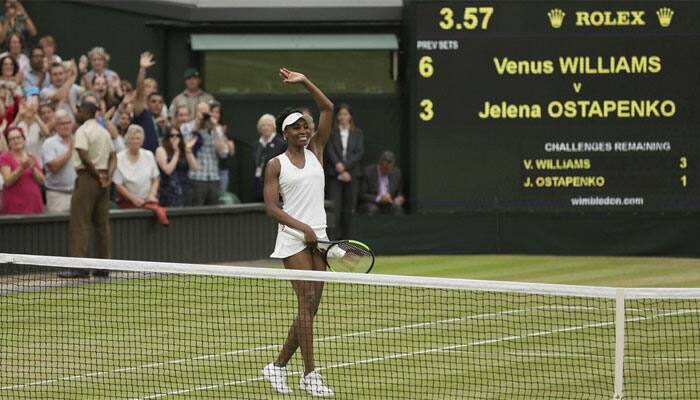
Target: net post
(619, 344)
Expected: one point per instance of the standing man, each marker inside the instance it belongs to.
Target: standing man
(192, 95)
(35, 75)
(94, 164)
(62, 90)
(210, 145)
(56, 156)
(147, 107)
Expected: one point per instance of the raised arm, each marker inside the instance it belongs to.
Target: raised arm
(318, 141)
(28, 23)
(168, 167)
(63, 92)
(145, 62)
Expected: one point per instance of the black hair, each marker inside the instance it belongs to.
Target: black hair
(35, 47)
(89, 108)
(15, 65)
(156, 93)
(284, 114)
(168, 146)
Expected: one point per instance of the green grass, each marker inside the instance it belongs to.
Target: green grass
(568, 270)
(204, 337)
(590, 271)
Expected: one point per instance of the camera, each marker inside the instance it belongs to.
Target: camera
(206, 116)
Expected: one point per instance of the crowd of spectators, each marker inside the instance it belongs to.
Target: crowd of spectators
(166, 155)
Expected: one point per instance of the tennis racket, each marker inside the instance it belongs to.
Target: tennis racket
(341, 255)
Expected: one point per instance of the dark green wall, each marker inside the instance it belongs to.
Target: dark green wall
(77, 27)
(196, 234)
(378, 116)
(125, 35)
(621, 234)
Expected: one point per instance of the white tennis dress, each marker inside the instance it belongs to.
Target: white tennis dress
(302, 192)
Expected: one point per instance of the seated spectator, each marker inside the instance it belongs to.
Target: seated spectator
(209, 146)
(15, 49)
(9, 75)
(16, 20)
(215, 111)
(99, 59)
(35, 75)
(192, 95)
(147, 107)
(175, 159)
(48, 44)
(137, 177)
(381, 187)
(22, 176)
(57, 155)
(35, 132)
(269, 146)
(62, 91)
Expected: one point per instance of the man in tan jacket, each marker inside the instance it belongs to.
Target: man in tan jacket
(94, 164)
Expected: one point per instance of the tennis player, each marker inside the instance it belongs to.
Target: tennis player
(297, 175)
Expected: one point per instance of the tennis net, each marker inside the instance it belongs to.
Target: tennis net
(157, 330)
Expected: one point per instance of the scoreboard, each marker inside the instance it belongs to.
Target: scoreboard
(545, 105)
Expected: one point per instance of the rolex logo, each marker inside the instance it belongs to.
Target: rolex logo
(556, 17)
(665, 14)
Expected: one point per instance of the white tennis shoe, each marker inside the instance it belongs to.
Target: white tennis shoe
(313, 384)
(277, 376)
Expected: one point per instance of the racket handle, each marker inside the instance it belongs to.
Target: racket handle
(297, 234)
(321, 245)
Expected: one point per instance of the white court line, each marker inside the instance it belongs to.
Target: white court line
(583, 355)
(421, 352)
(270, 347)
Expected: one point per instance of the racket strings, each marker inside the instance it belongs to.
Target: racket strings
(349, 257)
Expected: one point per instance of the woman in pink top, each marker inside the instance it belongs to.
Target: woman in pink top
(22, 175)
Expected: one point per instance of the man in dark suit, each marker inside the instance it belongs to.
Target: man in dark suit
(381, 187)
(342, 164)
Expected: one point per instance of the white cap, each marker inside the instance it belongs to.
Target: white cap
(294, 117)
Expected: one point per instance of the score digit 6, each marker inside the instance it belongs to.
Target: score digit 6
(425, 67)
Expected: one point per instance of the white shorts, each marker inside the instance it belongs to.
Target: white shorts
(288, 245)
